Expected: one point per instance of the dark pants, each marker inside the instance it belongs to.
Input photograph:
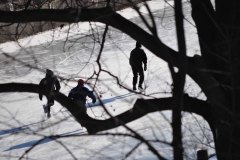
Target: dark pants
(50, 102)
(136, 71)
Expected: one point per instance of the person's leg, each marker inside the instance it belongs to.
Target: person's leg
(50, 103)
(141, 74)
(135, 77)
(45, 108)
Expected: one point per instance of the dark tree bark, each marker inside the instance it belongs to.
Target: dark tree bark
(179, 81)
(219, 36)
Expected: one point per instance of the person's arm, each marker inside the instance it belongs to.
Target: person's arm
(70, 95)
(130, 59)
(57, 84)
(92, 96)
(144, 58)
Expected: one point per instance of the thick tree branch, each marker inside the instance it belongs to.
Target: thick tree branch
(140, 109)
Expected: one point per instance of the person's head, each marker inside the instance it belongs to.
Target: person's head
(138, 45)
(49, 73)
(80, 82)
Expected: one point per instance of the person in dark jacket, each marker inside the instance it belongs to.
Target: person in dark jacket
(48, 85)
(79, 94)
(137, 59)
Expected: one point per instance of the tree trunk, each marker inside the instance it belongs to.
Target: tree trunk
(219, 37)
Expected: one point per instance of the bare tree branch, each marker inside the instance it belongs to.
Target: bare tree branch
(140, 108)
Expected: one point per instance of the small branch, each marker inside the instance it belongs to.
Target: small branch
(132, 150)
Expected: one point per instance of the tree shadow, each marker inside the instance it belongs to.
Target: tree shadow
(108, 100)
(43, 140)
(18, 129)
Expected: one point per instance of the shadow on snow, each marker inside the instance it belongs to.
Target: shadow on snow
(109, 100)
(43, 140)
(49, 139)
(18, 129)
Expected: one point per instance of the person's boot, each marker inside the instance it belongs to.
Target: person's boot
(134, 88)
(48, 115)
(140, 88)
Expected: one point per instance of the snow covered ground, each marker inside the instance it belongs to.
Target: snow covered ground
(72, 54)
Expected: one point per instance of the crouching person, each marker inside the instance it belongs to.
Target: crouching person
(79, 94)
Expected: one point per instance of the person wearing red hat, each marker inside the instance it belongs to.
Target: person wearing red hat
(79, 94)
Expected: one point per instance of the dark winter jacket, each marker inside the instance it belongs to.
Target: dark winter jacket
(48, 85)
(80, 93)
(137, 58)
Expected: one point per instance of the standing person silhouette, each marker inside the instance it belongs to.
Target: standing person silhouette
(48, 85)
(137, 59)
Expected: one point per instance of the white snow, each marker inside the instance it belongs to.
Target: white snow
(23, 123)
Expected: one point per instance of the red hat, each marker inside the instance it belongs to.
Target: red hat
(80, 82)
